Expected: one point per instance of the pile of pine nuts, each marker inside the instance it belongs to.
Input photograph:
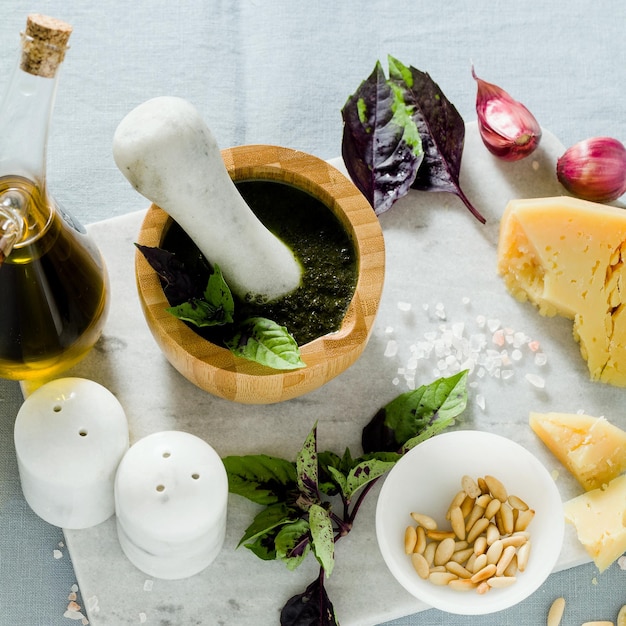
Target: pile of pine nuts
(487, 543)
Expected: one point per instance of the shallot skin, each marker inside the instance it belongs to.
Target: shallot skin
(594, 169)
(508, 129)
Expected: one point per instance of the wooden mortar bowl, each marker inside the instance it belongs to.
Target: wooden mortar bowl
(214, 368)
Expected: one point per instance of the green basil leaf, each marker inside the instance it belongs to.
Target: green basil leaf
(322, 535)
(261, 478)
(365, 472)
(266, 342)
(219, 295)
(411, 413)
(268, 520)
(307, 469)
(198, 312)
(293, 543)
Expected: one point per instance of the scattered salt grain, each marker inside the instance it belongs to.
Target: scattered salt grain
(74, 588)
(143, 618)
(535, 380)
(389, 330)
(493, 324)
(535, 165)
(540, 359)
(57, 554)
(498, 338)
(507, 374)
(465, 300)
(74, 615)
(517, 355)
(622, 562)
(92, 604)
(392, 348)
(395, 381)
(61, 544)
(148, 584)
(404, 306)
(481, 321)
(480, 401)
(533, 346)
(72, 596)
(555, 474)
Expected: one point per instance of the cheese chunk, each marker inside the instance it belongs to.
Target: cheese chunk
(591, 448)
(567, 257)
(600, 520)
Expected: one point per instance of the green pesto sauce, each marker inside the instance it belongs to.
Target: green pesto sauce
(321, 245)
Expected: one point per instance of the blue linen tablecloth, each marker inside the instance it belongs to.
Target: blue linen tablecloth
(279, 72)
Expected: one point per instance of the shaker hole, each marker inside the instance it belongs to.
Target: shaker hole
(167, 455)
(57, 408)
(160, 488)
(82, 432)
(195, 476)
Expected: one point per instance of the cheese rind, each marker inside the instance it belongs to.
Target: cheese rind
(567, 257)
(600, 520)
(591, 448)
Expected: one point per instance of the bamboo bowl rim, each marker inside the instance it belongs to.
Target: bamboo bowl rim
(214, 368)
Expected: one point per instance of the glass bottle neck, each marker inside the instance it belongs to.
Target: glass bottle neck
(24, 119)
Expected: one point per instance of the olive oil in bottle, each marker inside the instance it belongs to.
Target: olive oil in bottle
(53, 282)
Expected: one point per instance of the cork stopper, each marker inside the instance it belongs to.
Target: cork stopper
(44, 43)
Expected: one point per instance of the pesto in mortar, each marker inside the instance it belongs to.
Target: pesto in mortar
(321, 245)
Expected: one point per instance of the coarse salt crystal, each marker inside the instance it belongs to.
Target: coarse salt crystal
(516, 355)
(74, 588)
(481, 320)
(57, 554)
(75, 615)
(389, 330)
(533, 345)
(480, 401)
(143, 618)
(404, 306)
(391, 348)
(148, 584)
(540, 359)
(92, 604)
(395, 381)
(465, 300)
(622, 562)
(535, 381)
(507, 374)
(498, 337)
(493, 324)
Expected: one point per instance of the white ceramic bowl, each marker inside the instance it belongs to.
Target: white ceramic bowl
(426, 479)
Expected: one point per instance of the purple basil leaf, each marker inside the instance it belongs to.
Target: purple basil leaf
(310, 608)
(441, 128)
(381, 145)
(178, 285)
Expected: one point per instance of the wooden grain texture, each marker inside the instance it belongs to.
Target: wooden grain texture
(216, 369)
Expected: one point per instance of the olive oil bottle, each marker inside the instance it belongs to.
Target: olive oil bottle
(53, 281)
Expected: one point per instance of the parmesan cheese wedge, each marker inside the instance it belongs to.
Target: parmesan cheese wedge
(591, 448)
(567, 256)
(600, 520)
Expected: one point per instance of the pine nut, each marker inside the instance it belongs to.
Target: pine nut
(496, 488)
(511, 569)
(518, 503)
(421, 565)
(457, 522)
(424, 520)
(605, 623)
(505, 560)
(462, 556)
(483, 574)
(410, 539)
(479, 563)
(493, 534)
(470, 487)
(522, 556)
(482, 484)
(460, 545)
(420, 544)
(471, 562)
(441, 578)
(495, 552)
(483, 500)
(498, 582)
(524, 519)
(475, 514)
(444, 551)
(458, 569)
(483, 588)
(516, 539)
(429, 553)
(456, 501)
(492, 508)
(480, 545)
(440, 535)
(508, 523)
(621, 617)
(555, 614)
(478, 528)
(462, 584)
(467, 505)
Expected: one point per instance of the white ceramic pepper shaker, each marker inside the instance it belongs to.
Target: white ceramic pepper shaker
(70, 436)
(171, 495)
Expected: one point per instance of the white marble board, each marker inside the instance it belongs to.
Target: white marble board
(442, 263)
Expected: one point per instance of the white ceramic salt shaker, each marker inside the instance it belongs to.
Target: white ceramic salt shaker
(70, 436)
(171, 495)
